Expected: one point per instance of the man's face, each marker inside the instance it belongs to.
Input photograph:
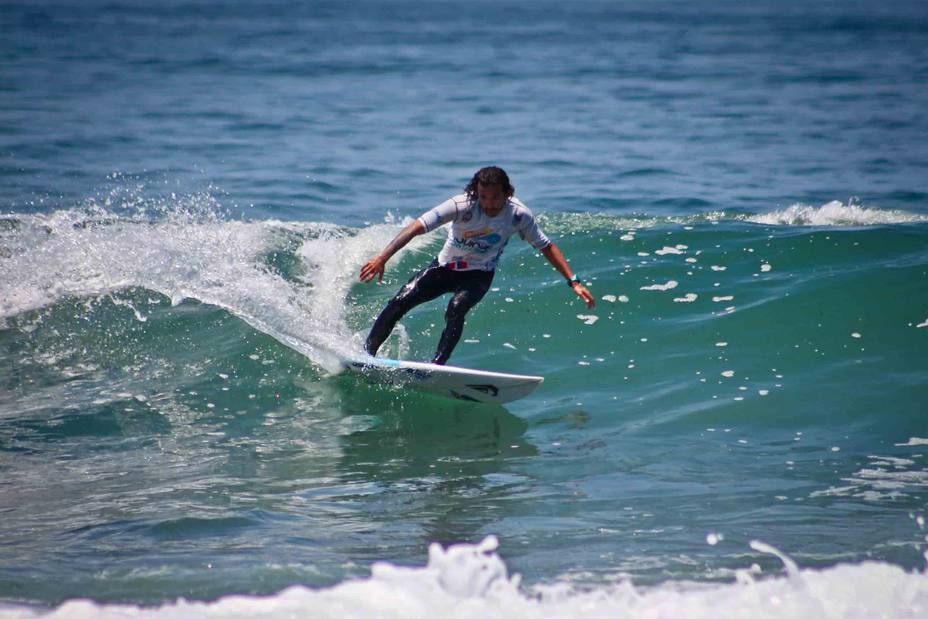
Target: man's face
(492, 199)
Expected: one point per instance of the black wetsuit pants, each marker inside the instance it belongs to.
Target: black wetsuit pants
(468, 287)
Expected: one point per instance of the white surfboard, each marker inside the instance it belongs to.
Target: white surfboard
(446, 380)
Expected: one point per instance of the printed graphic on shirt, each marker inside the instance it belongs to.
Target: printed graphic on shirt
(482, 246)
(469, 234)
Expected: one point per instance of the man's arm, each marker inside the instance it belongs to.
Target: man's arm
(376, 265)
(556, 258)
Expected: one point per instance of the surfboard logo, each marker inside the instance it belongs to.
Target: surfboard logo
(490, 390)
(416, 374)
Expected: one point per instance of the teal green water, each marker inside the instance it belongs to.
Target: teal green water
(175, 450)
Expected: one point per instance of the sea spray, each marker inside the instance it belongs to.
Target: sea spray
(187, 254)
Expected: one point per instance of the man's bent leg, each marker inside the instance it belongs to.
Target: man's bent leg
(469, 294)
(424, 286)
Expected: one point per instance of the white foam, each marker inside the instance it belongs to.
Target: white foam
(835, 213)
(913, 441)
(470, 580)
(891, 461)
(688, 298)
(670, 285)
(888, 478)
(189, 252)
(588, 319)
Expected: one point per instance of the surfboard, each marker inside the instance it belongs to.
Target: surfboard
(447, 380)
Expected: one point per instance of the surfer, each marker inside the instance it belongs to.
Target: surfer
(482, 220)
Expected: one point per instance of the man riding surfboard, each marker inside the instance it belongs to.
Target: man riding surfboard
(482, 220)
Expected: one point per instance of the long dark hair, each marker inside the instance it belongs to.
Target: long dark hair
(490, 175)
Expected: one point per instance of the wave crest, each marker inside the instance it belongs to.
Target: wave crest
(835, 213)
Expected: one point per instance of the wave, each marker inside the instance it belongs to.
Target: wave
(192, 253)
(835, 213)
(830, 214)
(722, 324)
(468, 580)
(291, 280)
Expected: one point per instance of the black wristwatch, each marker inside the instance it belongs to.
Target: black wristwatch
(573, 280)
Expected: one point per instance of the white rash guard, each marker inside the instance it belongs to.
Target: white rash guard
(476, 241)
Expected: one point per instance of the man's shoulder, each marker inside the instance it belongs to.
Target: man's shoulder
(454, 206)
(459, 203)
(519, 210)
(460, 199)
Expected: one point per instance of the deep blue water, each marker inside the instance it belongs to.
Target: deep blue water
(339, 111)
(188, 190)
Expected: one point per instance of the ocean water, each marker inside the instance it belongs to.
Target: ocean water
(739, 428)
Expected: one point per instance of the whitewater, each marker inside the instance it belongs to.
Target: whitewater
(471, 580)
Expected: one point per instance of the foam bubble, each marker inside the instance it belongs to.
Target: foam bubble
(670, 285)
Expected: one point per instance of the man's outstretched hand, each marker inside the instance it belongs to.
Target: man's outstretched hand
(584, 294)
(373, 268)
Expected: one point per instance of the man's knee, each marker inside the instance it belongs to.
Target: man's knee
(458, 308)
